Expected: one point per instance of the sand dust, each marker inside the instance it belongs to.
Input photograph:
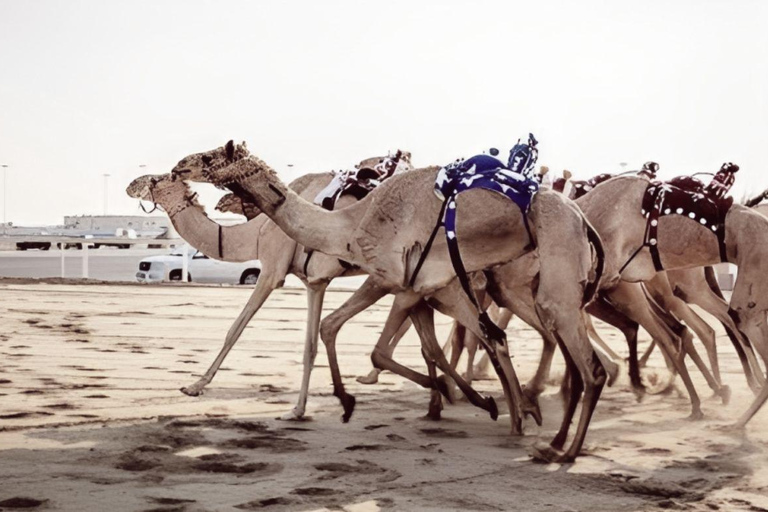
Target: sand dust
(91, 419)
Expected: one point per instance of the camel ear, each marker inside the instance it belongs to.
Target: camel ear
(543, 170)
(567, 174)
(244, 145)
(229, 150)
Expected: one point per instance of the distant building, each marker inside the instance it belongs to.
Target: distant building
(110, 224)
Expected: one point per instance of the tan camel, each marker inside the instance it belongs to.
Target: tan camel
(384, 233)
(686, 244)
(259, 239)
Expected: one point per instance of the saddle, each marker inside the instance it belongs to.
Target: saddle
(582, 187)
(689, 197)
(516, 181)
(359, 183)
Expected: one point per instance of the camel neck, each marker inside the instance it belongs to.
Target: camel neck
(311, 226)
(226, 243)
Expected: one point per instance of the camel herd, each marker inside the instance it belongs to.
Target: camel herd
(577, 251)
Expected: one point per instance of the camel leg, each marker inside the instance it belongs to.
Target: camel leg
(587, 375)
(471, 343)
(710, 299)
(647, 354)
(724, 392)
(423, 319)
(480, 371)
(373, 375)
(630, 299)
(456, 342)
(755, 328)
(380, 357)
(435, 400)
(315, 294)
(749, 307)
(603, 310)
(264, 286)
(661, 290)
(452, 301)
(362, 299)
(599, 341)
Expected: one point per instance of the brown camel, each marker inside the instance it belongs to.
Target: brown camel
(384, 233)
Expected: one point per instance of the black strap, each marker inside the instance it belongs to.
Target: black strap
(427, 247)
(221, 245)
(310, 252)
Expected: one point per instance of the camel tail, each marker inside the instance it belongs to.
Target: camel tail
(590, 291)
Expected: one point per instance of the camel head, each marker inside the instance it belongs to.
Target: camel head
(230, 203)
(208, 166)
(162, 189)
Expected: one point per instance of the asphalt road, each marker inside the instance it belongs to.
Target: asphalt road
(108, 264)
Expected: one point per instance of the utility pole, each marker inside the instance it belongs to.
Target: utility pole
(106, 192)
(5, 191)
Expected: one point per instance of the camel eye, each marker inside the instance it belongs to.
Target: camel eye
(207, 159)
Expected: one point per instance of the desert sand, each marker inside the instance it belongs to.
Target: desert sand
(91, 418)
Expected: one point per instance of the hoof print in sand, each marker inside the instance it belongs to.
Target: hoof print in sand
(444, 433)
(268, 502)
(21, 503)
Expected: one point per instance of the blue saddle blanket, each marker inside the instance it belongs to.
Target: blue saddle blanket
(484, 171)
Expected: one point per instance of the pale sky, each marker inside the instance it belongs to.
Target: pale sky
(93, 87)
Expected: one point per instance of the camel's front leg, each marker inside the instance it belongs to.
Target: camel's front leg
(315, 294)
(362, 299)
(264, 287)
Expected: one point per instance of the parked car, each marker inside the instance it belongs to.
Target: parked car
(201, 269)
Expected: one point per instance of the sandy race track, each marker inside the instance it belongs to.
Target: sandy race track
(91, 419)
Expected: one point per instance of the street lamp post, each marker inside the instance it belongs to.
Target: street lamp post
(5, 191)
(106, 192)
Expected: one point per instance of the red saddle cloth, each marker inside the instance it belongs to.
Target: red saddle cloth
(689, 197)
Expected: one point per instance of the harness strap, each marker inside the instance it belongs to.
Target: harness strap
(652, 230)
(427, 247)
(306, 262)
(221, 244)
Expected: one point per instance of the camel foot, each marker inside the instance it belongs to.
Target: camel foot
(696, 415)
(348, 402)
(612, 370)
(435, 408)
(293, 415)
(493, 410)
(371, 378)
(639, 392)
(544, 452)
(725, 394)
(444, 388)
(738, 428)
(195, 389)
(530, 407)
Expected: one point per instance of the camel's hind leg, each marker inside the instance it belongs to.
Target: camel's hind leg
(423, 319)
(315, 294)
(630, 299)
(373, 375)
(566, 324)
(266, 284)
(605, 311)
(661, 290)
(701, 289)
(363, 298)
